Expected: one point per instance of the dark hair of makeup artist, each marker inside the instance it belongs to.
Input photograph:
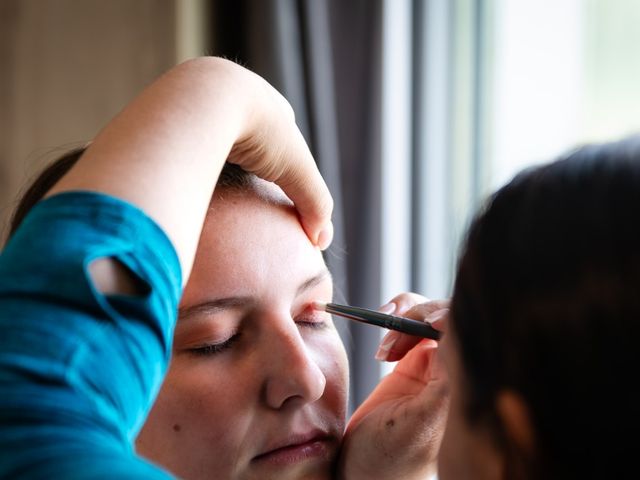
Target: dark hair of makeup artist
(546, 303)
(231, 177)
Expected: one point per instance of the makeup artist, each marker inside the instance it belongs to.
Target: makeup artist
(541, 345)
(90, 283)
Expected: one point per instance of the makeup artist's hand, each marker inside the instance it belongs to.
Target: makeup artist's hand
(271, 146)
(397, 431)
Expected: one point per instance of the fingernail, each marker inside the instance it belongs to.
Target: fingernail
(325, 237)
(386, 345)
(388, 308)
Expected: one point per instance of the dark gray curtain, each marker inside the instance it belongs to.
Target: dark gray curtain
(324, 57)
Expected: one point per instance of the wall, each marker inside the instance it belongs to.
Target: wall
(66, 68)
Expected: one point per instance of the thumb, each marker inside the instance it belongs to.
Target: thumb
(292, 167)
(435, 395)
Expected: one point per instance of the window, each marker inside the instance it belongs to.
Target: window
(499, 85)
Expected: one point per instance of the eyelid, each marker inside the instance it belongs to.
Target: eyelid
(312, 319)
(309, 312)
(213, 347)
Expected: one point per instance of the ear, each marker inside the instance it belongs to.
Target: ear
(516, 421)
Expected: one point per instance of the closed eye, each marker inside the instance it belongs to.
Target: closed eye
(214, 348)
(316, 322)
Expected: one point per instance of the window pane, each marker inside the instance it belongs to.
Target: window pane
(564, 73)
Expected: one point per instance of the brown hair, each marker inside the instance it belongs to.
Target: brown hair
(232, 177)
(41, 185)
(546, 304)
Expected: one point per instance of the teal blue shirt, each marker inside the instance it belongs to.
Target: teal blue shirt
(79, 370)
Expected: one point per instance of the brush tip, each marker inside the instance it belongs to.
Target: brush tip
(322, 306)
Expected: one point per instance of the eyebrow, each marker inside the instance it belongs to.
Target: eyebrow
(213, 306)
(227, 303)
(314, 281)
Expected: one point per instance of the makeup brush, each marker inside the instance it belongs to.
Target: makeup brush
(392, 322)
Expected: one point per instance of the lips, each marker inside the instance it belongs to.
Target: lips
(297, 448)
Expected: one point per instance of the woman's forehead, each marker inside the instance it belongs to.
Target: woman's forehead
(234, 218)
(253, 245)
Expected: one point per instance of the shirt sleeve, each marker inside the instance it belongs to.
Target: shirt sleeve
(79, 370)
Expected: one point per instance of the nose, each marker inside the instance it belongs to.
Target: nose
(293, 377)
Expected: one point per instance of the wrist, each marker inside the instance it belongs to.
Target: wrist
(226, 88)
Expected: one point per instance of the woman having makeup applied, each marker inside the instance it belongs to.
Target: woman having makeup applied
(257, 383)
(257, 376)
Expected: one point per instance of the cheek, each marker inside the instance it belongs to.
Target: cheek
(330, 356)
(191, 414)
(201, 408)
(466, 452)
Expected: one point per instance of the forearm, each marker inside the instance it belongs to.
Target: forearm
(164, 151)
